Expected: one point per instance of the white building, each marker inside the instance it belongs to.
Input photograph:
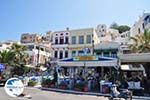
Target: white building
(141, 24)
(6, 45)
(38, 54)
(60, 42)
(106, 34)
(123, 39)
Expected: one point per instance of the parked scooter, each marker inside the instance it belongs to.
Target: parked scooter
(124, 93)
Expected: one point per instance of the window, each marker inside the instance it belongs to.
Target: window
(88, 39)
(55, 54)
(73, 39)
(30, 47)
(42, 49)
(81, 39)
(143, 26)
(102, 35)
(106, 54)
(99, 53)
(61, 40)
(139, 31)
(56, 40)
(73, 53)
(66, 54)
(80, 52)
(114, 54)
(61, 54)
(66, 40)
(37, 47)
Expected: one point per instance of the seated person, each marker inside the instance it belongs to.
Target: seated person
(124, 85)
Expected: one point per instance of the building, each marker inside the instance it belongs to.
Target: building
(107, 49)
(106, 34)
(60, 42)
(71, 43)
(39, 54)
(82, 39)
(30, 38)
(141, 24)
(6, 45)
(123, 39)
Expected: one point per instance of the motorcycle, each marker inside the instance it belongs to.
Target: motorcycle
(124, 93)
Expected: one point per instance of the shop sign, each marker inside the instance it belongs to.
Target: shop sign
(85, 58)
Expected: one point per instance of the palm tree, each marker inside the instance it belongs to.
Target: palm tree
(20, 60)
(6, 57)
(141, 43)
(20, 55)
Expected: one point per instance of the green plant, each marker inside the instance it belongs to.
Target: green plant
(32, 83)
(46, 82)
(79, 86)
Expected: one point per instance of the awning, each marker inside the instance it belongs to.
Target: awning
(89, 62)
(131, 68)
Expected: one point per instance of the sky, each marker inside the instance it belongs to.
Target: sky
(40, 16)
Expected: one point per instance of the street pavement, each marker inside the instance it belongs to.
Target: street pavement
(38, 94)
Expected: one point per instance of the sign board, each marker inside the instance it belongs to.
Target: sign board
(14, 87)
(85, 58)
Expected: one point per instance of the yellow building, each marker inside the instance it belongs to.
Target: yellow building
(82, 39)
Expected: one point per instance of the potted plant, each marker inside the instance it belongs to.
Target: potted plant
(79, 86)
(47, 83)
(32, 83)
(62, 85)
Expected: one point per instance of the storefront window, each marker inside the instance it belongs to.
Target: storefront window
(106, 54)
(114, 54)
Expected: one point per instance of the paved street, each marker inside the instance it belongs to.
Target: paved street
(38, 94)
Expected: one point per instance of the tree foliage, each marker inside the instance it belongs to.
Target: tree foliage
(141, 43)
(6, 57)
(120, 28)
(16, 57)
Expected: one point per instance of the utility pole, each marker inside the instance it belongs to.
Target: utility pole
(92, 44)
(38, 55)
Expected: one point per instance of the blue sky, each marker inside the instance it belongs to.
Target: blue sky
(39, 16)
